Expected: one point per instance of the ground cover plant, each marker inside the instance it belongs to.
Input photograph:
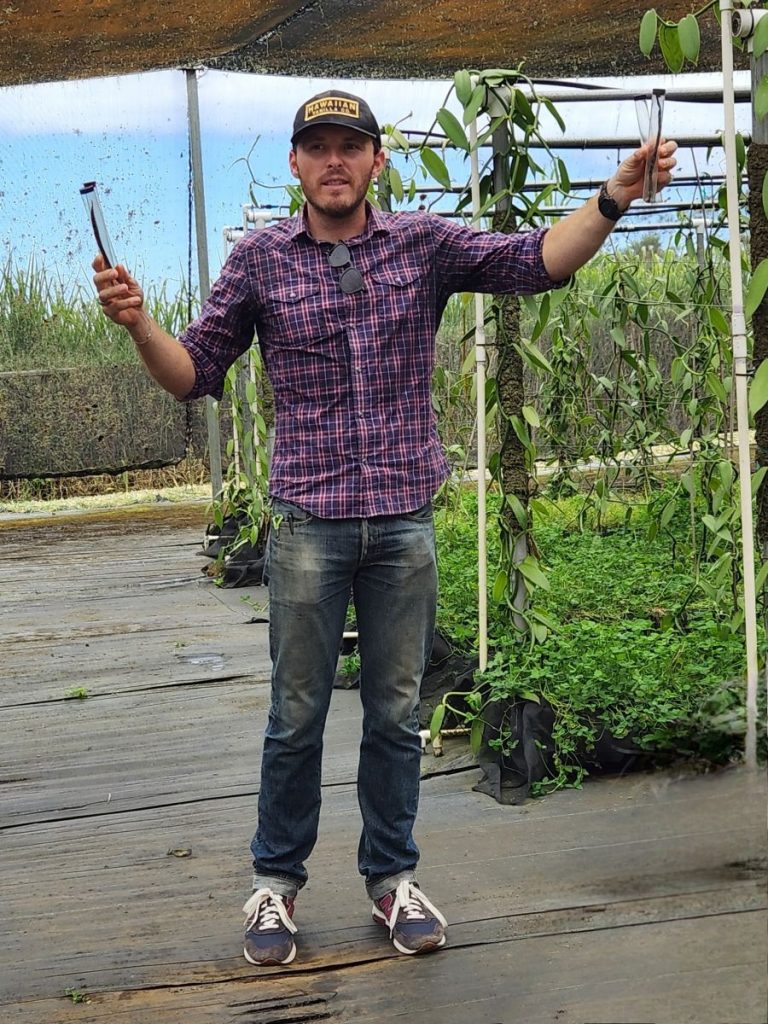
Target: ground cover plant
(635, 647)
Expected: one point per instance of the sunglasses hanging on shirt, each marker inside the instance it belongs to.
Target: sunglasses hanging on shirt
(351, 280)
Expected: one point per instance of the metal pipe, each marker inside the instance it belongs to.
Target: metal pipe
(741, 376)
(203, 271)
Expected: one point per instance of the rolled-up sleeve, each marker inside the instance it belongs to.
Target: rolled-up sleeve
(224, 329)
(489, 261)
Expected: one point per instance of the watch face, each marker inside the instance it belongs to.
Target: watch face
(608, 206)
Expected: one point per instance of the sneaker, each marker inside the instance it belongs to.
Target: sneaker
(269, 929)
(415, 925)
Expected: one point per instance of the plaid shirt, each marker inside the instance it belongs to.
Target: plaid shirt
(351, 374)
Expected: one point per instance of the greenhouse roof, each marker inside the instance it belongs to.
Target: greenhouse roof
(342, 38)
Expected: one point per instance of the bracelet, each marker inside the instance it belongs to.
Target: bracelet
(147, 337)
(607, 205)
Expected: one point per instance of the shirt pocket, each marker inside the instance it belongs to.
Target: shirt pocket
(290, 316)
(398, 292)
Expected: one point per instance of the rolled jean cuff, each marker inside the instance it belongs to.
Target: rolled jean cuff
(384, 885)
(281, 885)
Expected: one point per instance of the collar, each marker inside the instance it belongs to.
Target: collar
(376, 223)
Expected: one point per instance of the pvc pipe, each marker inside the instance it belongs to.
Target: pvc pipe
(436, 140)
(741, 375)
(480, 375)
(203, 271)
(696, 94)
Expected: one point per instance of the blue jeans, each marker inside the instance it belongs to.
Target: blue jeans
(313, 565)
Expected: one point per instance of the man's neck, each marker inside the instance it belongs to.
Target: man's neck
(336, 229)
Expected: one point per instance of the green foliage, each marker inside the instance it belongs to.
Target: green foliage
(350, 665)
(637, 647)
(245, 490)
(76, 693)
(45, 324)
(679, 42)
(77, 995)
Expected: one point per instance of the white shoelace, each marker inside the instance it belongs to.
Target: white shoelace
(268, 909)
(412, 901)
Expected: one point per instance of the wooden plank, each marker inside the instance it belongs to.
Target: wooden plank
(702, 971)
(548, 902)
(110, 612)
(81, 879)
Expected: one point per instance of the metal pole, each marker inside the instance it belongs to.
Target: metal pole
(203, 271)
(480, 374)
(741, 376)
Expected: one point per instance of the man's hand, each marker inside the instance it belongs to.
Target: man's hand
(626, 184)
(119, 294)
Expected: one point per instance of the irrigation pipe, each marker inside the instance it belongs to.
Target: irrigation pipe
(480, 367)
(741, 375)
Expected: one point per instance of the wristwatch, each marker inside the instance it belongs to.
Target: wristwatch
(607, 205)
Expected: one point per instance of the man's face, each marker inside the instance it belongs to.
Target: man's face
(335, 166)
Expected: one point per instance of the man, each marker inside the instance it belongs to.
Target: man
(345, 302)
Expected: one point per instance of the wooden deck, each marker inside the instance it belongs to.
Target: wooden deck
(126, 819)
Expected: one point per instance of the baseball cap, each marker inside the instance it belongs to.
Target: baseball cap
(339, 108)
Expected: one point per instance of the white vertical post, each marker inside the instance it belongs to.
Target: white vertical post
(741, 374)
(480, 375)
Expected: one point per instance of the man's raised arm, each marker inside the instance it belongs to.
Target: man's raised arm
(573, 241)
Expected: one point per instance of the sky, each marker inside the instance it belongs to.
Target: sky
(129, 133)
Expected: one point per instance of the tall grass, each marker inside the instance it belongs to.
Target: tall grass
(44, 325)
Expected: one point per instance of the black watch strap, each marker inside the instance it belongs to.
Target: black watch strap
(607, 205)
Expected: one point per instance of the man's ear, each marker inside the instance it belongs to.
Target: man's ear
(379, 159)
(292, 164)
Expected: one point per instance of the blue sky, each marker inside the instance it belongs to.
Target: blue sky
(130, 135)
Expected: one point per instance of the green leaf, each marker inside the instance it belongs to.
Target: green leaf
(396, 184)
(519, 510)
(500, 587)
(564, 177)
(765, 179)
(450, 125)
(741, 151)
(531, 570)
(523, 108)
(758, 389)
(648, 28)
(762, 576)
(476, 736)
(690, 38)
(462, 83)
(669, 40)
(530, 414)
(436, 722)
(476, 101)
(666, 516)
(716, 386)
(761, 97)
(760, 38)
(536, 357)
(757, 288)
(435, 167)
(717, 317)
(757, 479)
(550, 106)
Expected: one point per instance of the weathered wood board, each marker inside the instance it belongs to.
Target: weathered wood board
(126, 819)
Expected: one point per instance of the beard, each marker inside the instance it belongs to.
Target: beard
(337, 208)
